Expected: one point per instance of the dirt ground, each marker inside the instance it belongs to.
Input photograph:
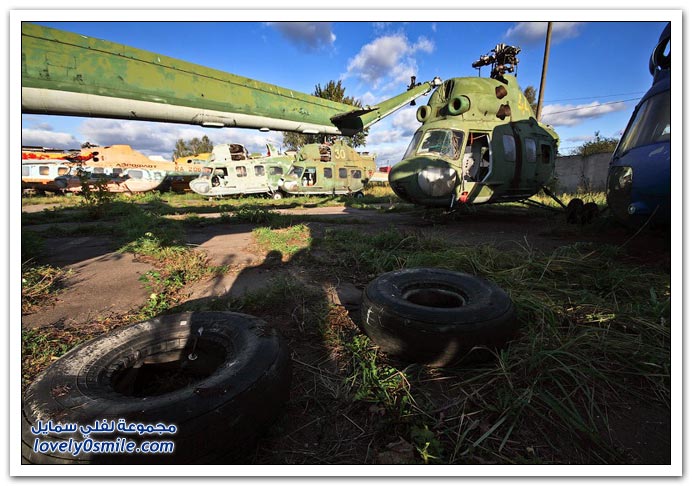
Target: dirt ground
(104, 282)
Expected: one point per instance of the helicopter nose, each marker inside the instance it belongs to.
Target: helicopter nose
(423, 180)
(200, 186)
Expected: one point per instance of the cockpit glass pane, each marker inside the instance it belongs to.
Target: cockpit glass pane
(445, 143)
(651, 124)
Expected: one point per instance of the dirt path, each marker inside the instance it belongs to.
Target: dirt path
(105, 282)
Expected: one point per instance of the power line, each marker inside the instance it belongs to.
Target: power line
(590, 106)
(600, 96)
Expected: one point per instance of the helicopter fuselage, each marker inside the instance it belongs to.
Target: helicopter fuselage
(479, 142)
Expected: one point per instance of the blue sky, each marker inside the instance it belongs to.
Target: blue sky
(596, 73)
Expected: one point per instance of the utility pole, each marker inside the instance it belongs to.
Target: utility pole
(546, 55)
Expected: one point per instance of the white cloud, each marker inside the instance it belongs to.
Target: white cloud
(393, 136)
(159, 138)
(579, 138)
(368, 98)
(405, 121)
(388, 153)
(534, 32)
(388, 57)
(42, 137)
(310, 35)
(571, 115)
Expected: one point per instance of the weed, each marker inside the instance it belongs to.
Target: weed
(375, 382)
(40, 285)
(95, 194)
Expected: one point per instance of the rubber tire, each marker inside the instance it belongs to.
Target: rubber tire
(574, 210)
(589, 212)
(218, 418)
(359, 195)
(433, 335)
(277, 196)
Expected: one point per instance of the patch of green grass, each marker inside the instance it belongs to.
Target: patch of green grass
(287, 241)
(374, 381)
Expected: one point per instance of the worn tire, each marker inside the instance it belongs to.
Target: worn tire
(242, 384)
(437, 317)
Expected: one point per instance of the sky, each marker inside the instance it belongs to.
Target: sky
(597, 71)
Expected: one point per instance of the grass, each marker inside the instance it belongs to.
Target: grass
(40, 285)
(596, 339)
(594, 345)
(287, 241)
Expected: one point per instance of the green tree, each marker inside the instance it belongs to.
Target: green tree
(598, 145)
(530, 93)
(192, 147)
(332, 91)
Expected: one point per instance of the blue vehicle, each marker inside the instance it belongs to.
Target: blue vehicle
(639, 174)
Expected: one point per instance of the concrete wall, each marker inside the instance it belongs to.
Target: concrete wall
(582, 174)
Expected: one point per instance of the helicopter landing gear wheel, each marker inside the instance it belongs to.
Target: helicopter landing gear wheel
(278, 195)
(359, 195)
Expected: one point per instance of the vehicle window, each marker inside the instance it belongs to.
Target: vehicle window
(327, 173)
(98, 170)
(62, 171)
(510, 148)
(411, 150)
(117, 171)
(356, 174)
(296, 171)
(530, 149)
(259, 170)
(650, 124)
(206, 172)
(446, 143)
(43, 170)
(241, 171)
(545, 153)
(26, 171)
(274, 170)
(343, 174)
(135, 174)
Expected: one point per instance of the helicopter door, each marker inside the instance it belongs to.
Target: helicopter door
(476, 158)
(531, 167)
(506, 160)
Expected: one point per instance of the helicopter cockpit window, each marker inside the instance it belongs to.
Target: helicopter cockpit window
(411, 150)
(275, 170)
(446, 143)
(530, 144)
(296, 172)
(651, 124)
(206, 172)
(510, 148)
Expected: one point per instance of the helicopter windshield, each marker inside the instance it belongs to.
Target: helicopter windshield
(651, 124)
(443, 142)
